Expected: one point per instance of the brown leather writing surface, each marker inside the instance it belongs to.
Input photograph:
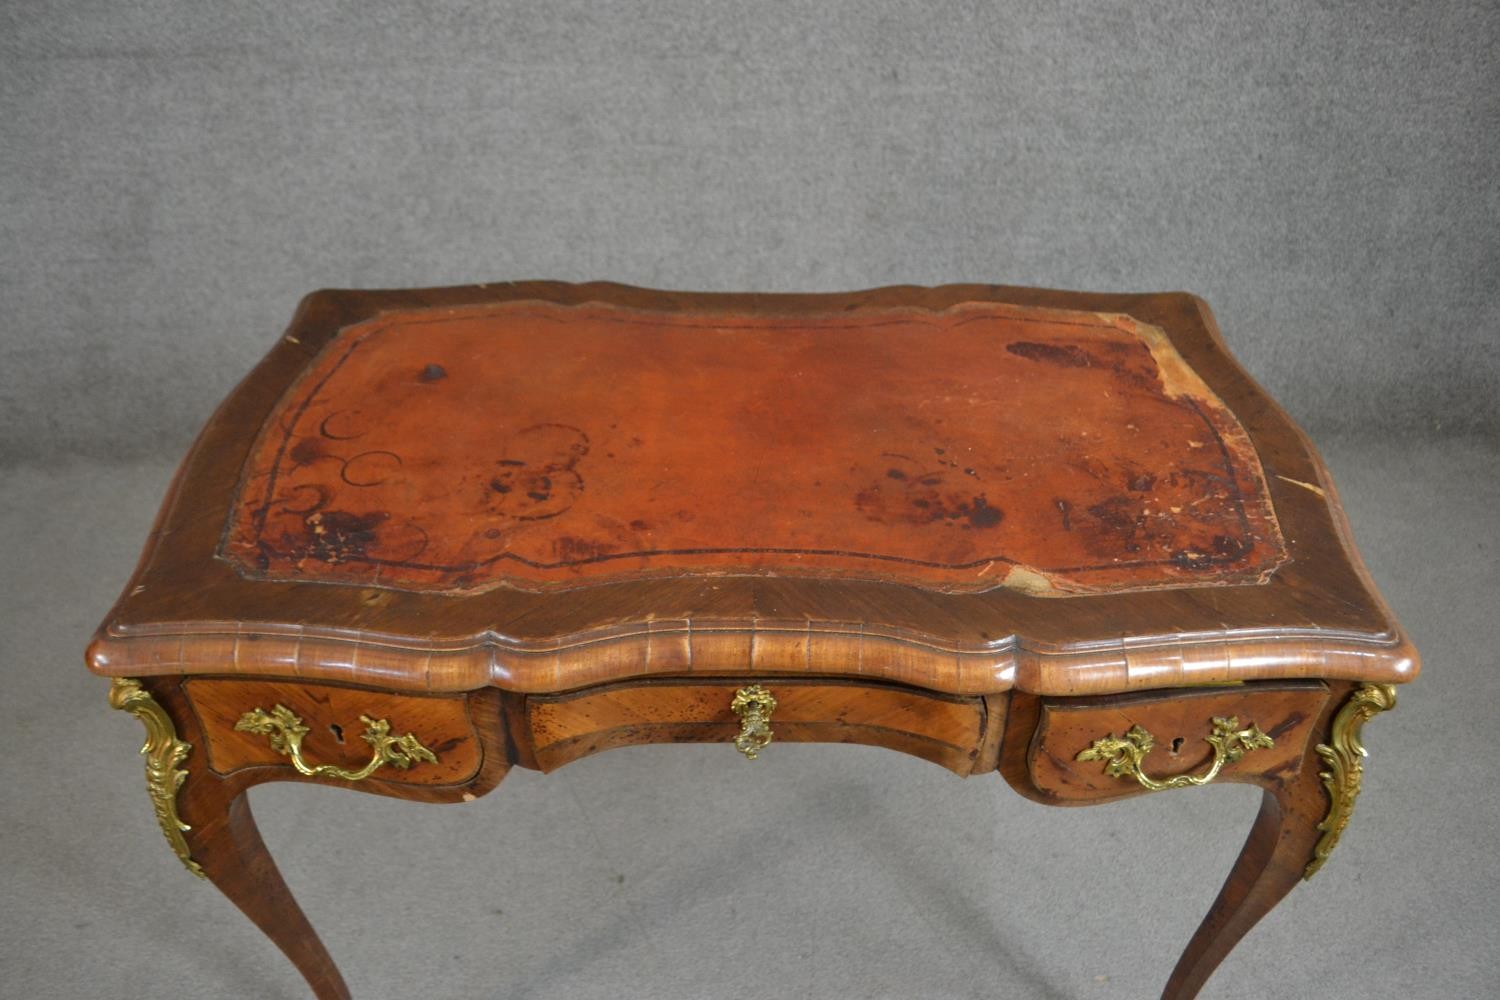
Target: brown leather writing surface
(544, 446)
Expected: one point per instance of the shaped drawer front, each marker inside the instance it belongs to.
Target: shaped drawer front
(1250, 731)
(944, 729)
(336, 734)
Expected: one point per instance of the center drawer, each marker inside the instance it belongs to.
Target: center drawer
(948, 730)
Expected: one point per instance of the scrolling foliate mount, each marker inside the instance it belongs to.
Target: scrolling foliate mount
(285, 731)
(164, 754)
(1123, 755)
(1345, 770)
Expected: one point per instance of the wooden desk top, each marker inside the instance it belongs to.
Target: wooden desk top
(545, 486)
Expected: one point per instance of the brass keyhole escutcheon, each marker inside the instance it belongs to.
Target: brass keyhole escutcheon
(754, 706)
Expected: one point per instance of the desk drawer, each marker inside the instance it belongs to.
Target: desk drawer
(335, 731)
(1178, 723)
(947, 730)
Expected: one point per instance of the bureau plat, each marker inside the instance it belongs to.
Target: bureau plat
(437, 534)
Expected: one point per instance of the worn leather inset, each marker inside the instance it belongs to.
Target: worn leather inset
(540, 446)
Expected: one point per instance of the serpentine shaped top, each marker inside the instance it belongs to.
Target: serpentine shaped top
(542, 486)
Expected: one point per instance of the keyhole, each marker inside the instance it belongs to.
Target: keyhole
(1177, 744)
(338, 732)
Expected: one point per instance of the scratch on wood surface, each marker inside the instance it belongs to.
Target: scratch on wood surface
(1306, 486)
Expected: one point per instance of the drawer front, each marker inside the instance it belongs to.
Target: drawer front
(335, 730)
(946, 730)
(1178, 722)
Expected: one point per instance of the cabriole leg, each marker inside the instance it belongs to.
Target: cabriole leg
(226, 842)
(208, 824)
(1299, 823)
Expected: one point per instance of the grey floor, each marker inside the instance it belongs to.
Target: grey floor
(670, 872)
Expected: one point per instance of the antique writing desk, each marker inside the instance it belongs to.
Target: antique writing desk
(439, 534)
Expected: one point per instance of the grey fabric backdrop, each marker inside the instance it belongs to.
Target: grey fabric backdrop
(175, 174)
(178, 173)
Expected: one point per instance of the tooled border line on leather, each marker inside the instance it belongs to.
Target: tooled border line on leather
(260, 513)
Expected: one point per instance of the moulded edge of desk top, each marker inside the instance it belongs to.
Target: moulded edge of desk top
(760, 649)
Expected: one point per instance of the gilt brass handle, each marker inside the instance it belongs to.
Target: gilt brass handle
(1123, 756)
(286, 731)
(754, 706)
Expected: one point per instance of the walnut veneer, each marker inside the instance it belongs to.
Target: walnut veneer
(441, 533)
